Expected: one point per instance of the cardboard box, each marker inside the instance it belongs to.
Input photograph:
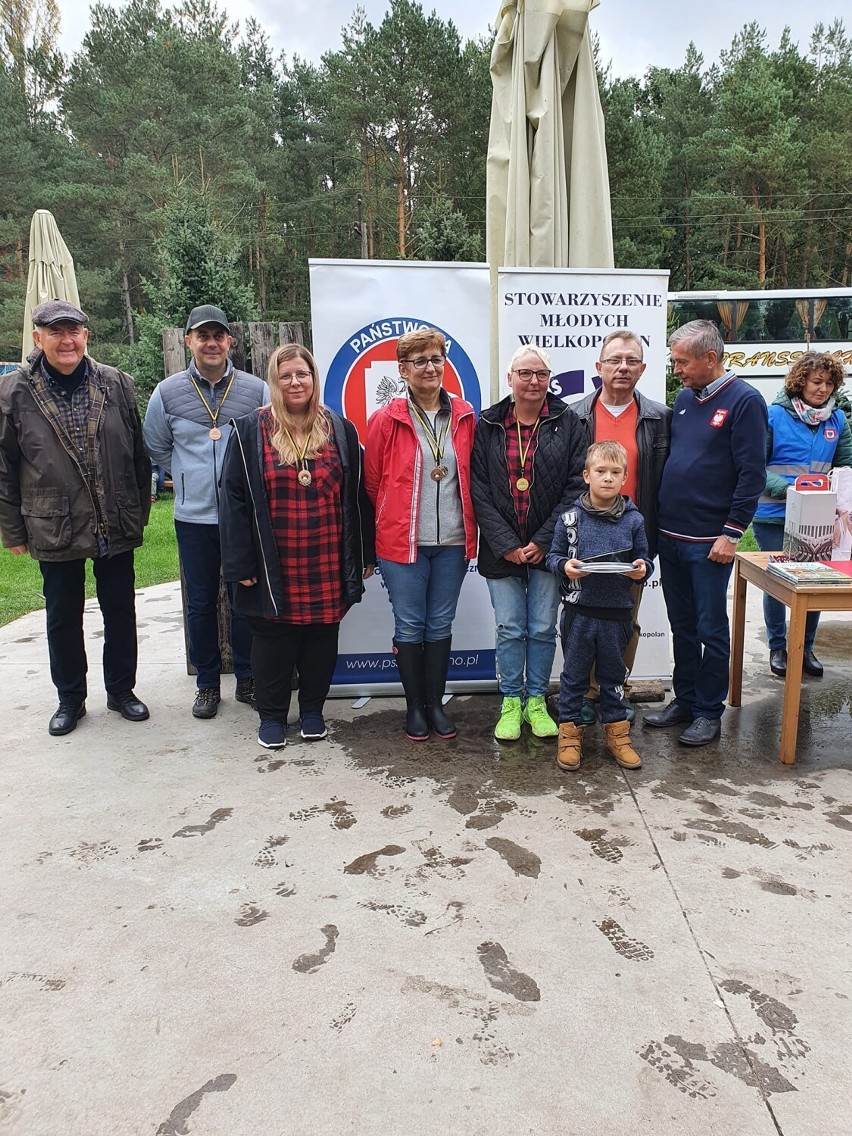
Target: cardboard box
(809, 523)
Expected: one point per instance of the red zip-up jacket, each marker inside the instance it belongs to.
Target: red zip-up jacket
(393, 462)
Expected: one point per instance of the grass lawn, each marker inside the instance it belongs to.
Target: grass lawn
(156, 563)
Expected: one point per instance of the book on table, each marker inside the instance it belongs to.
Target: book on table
(807, 574)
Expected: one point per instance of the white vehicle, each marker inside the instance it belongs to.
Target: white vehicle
(766, 331)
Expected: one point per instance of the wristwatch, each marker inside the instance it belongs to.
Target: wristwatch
(735, 540)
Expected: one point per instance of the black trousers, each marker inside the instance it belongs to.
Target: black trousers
(277, 649)
(64, 595)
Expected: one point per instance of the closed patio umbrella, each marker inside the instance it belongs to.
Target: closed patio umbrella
(548, 186)
(51, 273)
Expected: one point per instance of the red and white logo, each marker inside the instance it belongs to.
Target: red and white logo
(718, 418)
(374, 379)
(829, 433)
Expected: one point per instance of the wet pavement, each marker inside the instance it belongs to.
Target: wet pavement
(373, 937)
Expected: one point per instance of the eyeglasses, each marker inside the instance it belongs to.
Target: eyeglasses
(617, 360)
(528, 376)
(301, 376)
(422, 363)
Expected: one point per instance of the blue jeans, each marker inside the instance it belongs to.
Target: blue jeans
(525, 612)
(695, 590)
(201, 561)
(770, 538)
(601, 643)
(424, 594)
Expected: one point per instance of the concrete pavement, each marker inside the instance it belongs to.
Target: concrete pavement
(368, 936)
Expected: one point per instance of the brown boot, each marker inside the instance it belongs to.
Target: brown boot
(569, 751)
(617, 738)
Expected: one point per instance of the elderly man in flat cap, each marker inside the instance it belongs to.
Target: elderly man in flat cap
(75, 484)
(187, 427)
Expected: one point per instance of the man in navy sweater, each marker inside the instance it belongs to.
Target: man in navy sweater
(708, 495)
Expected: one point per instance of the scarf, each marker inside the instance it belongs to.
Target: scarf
(813, 415)
(613, 512)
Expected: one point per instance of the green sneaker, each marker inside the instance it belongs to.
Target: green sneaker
(589, 712)
(508, 728)
(535, 712)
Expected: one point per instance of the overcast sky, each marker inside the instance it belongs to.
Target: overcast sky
(635, 34)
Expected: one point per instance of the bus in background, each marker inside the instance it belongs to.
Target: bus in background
(765, 331)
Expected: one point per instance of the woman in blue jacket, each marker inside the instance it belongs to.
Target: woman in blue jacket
(808, 433)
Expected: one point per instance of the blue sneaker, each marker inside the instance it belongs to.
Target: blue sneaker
(272, 734)
(312, 726)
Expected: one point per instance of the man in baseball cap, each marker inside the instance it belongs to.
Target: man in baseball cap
(207, 314)
(187, 431)
(75, 484)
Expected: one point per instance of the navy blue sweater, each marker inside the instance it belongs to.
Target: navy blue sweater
(717, 463)
(582, 536)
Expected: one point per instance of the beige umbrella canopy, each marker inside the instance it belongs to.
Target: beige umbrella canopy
(548, 186)
(51, 273)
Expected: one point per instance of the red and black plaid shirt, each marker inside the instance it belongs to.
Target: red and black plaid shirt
(307, 521)
(529, 435)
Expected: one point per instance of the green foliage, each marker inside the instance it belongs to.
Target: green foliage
(198, 265)
(442, 233)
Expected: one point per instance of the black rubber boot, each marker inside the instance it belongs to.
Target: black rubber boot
(436, 659)
(409, 660)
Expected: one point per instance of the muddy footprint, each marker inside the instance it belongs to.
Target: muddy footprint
(307, 964)
(503, 976)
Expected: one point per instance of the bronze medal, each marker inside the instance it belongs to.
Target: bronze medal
(304, 477)
(215, 433)
(522, 484)
(438, 473)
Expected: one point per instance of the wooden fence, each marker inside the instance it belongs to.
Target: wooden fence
(250, 355)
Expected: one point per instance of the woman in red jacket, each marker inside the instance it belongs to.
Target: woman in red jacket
(417, 473)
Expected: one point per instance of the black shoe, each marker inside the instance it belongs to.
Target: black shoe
(245, 692)
(811, 664)
(673, 715)
(207, 699)
(778, 662)
(65, 719)
(128, 706)
(701, 732)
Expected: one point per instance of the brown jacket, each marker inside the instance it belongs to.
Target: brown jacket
(45, 501)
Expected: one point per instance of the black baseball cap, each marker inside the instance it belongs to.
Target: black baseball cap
(206, 314)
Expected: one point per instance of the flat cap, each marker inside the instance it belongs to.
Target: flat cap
(53, 311)
(206, 314)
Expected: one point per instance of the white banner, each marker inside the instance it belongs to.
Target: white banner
(359, 309)
(569, 312)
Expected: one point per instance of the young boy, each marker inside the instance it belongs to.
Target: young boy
(596, 622)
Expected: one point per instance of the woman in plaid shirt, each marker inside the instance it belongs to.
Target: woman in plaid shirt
(297, 533)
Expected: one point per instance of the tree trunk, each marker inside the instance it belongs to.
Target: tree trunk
(126, 306)
(261, 252)
(761, 239)
(400, 204)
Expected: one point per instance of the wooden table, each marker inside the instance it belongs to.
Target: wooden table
(750, 568)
